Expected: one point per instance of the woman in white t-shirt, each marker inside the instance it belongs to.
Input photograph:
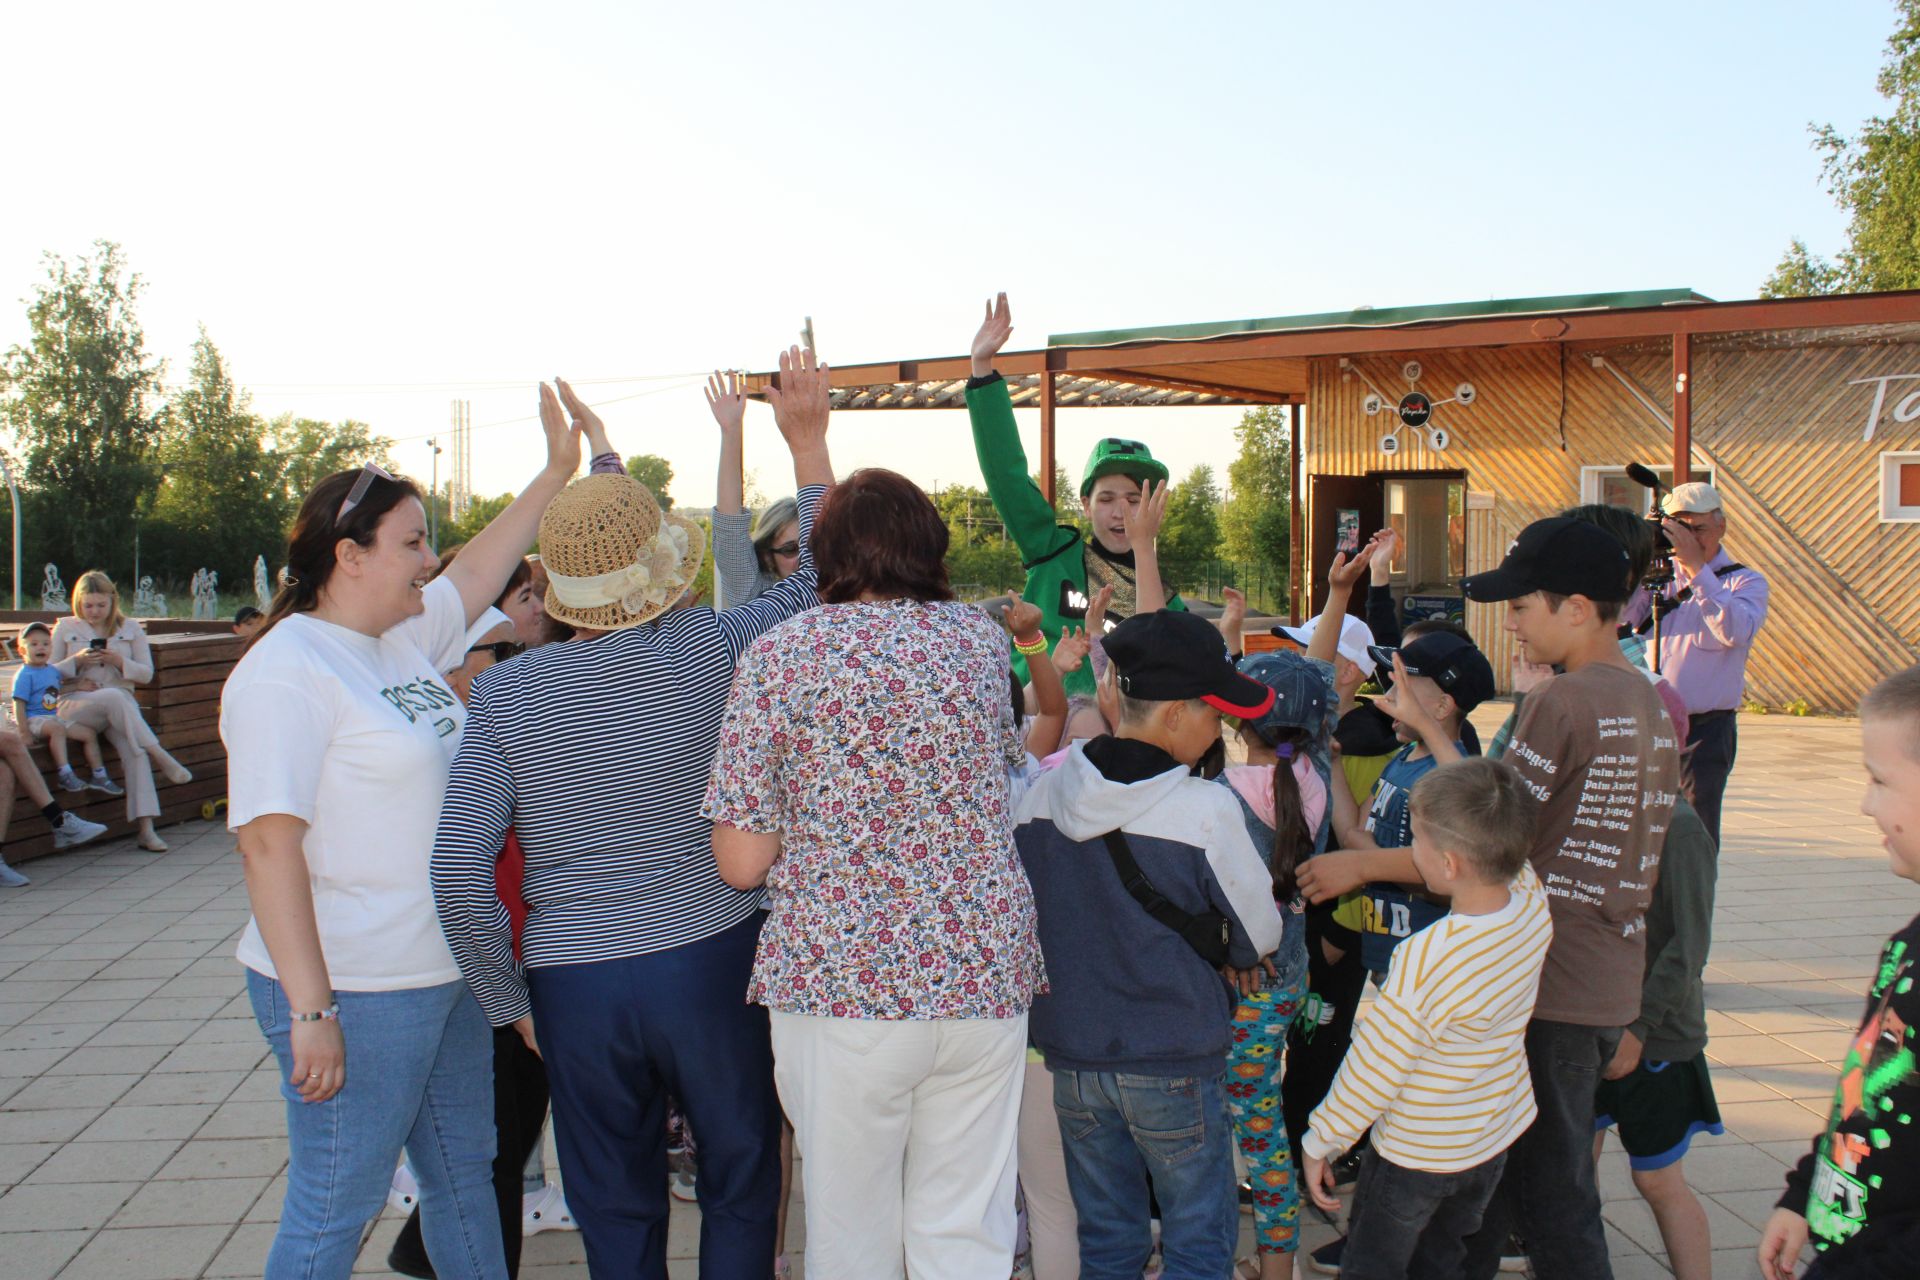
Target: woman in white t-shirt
(339, 728)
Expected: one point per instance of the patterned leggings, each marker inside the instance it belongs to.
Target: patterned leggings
(1260, 1023)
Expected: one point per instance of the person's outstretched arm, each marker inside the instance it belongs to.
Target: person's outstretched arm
(1030, 519)
(496, 551)
(736, 568)
(801, 401)
(1050, 718)
(1341, 578)
(1143, 531)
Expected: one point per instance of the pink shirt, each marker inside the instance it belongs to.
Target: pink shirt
(1254, 784)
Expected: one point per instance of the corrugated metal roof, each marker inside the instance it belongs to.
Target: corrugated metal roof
(1384, 317)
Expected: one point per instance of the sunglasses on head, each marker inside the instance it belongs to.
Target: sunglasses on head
(368, 474)
(500, 649)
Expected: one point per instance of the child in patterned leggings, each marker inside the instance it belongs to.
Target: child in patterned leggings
(1283, 799)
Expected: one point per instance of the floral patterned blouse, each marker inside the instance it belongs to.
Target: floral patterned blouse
(877, 740)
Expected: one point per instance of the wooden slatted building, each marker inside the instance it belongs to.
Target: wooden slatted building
(1805, 413)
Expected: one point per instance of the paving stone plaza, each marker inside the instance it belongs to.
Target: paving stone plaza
(142, 1133)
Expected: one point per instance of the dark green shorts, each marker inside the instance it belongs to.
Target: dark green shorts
(1658, 1110)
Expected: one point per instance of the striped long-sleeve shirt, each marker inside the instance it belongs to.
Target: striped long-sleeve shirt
(1438, 1066)
(597, 754)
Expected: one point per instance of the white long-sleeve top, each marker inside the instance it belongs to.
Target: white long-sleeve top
(1438, 1065)
(72, 638)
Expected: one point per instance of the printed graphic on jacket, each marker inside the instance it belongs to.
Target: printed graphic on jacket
(1391, 913)
(1867, 1155)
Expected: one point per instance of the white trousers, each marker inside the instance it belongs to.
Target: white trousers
(116, 716)
(906, 1133)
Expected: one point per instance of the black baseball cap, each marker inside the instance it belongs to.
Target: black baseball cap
(1567, 557)
(1455, 664)
(32, 627)
(1170, 655)
(246, 613)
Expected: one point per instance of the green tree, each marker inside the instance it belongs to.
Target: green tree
(480, 513)
(219, 503)
(1875, 177)
(1190, 534)
(655, 472)
(1254, 522)
(77, 398)
(307, 451)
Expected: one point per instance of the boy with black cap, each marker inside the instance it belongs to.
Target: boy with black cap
(1596, 751)
(1146, 884)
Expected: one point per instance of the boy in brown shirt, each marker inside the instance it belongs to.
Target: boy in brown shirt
(1598, 753)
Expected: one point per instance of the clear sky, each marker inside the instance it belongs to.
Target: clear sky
(377, 208)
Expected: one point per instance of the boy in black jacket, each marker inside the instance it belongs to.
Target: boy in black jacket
(1856, 1195)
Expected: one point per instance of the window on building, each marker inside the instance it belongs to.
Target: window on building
(1612, 486)
(1899, 487)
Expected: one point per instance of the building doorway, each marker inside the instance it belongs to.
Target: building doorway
(1428, 509)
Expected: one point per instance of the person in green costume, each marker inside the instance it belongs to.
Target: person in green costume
(1065, 566)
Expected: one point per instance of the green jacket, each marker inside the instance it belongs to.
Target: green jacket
(1672, 1025)
(1055, 554)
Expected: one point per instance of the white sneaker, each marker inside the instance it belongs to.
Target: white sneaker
(12, 879)
(545, 1210)
(75, 830)
(404, 1194)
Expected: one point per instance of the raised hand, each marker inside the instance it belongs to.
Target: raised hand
(727, 400)
(1022, 617)
(563, 438)
(1345, 572)
(1071, 651)
(1398, 701)
(993, 335)
(1386, 544)
(800, 398)
(1144, 518)
(1097, 613)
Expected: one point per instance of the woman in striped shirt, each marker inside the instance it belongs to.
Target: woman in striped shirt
(635, 956)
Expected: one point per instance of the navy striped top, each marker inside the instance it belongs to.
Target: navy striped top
(597, 754)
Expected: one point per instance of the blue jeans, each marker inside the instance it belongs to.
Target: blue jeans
(1411, 1224)
(618, 1036)
(419, 1077)
(1124, 1134)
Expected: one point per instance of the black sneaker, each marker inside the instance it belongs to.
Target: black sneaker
(1326, 1259)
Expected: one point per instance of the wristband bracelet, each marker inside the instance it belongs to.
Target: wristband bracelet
(1030, 648)
(329, 1014)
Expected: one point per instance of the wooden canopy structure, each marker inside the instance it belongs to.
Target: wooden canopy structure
(1560, 378)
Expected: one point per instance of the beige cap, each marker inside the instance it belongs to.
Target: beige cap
(1696, 496)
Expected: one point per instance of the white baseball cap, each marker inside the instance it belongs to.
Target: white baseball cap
(1697, 497)
(1355, 639)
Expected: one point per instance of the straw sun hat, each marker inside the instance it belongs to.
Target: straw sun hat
(613, 560)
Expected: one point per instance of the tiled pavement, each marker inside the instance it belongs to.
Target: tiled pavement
(141, 1134)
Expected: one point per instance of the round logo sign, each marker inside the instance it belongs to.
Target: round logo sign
(1439, 439)
(1390, 444)
(1415, 409)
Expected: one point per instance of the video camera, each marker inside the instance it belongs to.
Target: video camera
(1660, 572)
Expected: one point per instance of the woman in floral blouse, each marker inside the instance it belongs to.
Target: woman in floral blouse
(863, 775)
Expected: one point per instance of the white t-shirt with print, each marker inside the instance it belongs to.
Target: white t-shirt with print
(354, 736)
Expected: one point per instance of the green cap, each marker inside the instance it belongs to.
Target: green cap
(1116, 457)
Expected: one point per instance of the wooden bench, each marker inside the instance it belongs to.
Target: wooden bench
(182, 705)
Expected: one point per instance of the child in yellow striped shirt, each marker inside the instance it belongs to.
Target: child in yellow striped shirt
(1438, 1067)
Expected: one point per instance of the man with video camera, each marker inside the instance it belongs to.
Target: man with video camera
(1711, 612)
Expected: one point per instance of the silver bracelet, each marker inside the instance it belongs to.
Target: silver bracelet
(329, 1014)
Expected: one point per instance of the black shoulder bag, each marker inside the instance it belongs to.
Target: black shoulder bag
(1208, 933)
